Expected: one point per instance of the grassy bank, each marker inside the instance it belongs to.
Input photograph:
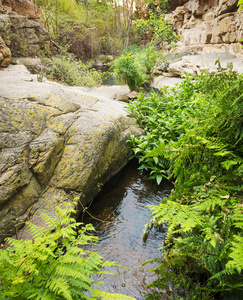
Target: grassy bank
(194, 136)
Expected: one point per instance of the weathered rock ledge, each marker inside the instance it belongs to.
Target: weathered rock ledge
(56, 143)
(21, 34)
(171, 73)
(208, 26)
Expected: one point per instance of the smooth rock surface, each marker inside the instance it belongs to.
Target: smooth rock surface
(195, 64)
(106, 91)
(56, 143)
(159, 82)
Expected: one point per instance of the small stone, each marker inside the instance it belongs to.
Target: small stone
(132, 95)
(121, 97)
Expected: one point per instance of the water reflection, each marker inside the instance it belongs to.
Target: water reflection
(122, 207)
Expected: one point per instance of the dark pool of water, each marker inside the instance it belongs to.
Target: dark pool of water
(108, 78)
(122, 207)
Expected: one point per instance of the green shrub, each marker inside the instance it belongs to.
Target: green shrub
(128, 71)
(54, 265)
(156, 29)
(240, 4)
(134, 68)
(71, 72)
(156, 115)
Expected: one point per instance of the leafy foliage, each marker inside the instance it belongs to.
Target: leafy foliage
(198, 127)
(71, 72)
(128, 71)
(156, 29)
(156, 115)
(240, 4)
(55, 264)
(134, 68)
(88, 28)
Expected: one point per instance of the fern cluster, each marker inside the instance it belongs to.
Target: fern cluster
(54, 265)
(198, 128)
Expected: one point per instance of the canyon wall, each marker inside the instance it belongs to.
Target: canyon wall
(209, 26)
(21, 34)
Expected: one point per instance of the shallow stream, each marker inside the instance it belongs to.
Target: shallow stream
(121, 214)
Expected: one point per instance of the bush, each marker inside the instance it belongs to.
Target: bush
(156, 29)
(135, 68)
(129, 72)
(71, 72)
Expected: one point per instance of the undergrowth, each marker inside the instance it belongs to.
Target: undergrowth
(72, 72)
(66, 70)
(55, 264)
(193, 135)
(135, 66)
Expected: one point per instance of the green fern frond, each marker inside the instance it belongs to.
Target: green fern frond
(53, 265)
(68, 270)
(36, 231)
(59, 286)
(238, 216)
(49, 221)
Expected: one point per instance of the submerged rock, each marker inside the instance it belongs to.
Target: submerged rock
(56, 143)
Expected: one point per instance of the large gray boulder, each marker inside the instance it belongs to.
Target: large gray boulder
(56, 143)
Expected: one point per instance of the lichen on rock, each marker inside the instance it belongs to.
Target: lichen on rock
(56, 143)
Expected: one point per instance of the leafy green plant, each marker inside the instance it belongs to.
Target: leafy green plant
(156, 29)
(71, 72)
(129, 71)
(134, 68)
(240, 4)
(202, 122)
(203, 242)
(156, 115)
(54, 265)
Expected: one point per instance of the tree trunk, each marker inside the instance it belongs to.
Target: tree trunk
(129, 23)
(109, 33)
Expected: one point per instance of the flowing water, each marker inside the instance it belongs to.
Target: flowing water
(121, 213)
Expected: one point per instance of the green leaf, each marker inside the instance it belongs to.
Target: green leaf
(227, 164)
(159, 178)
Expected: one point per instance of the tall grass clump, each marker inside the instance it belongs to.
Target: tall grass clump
(135, 66)
(196, 130)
